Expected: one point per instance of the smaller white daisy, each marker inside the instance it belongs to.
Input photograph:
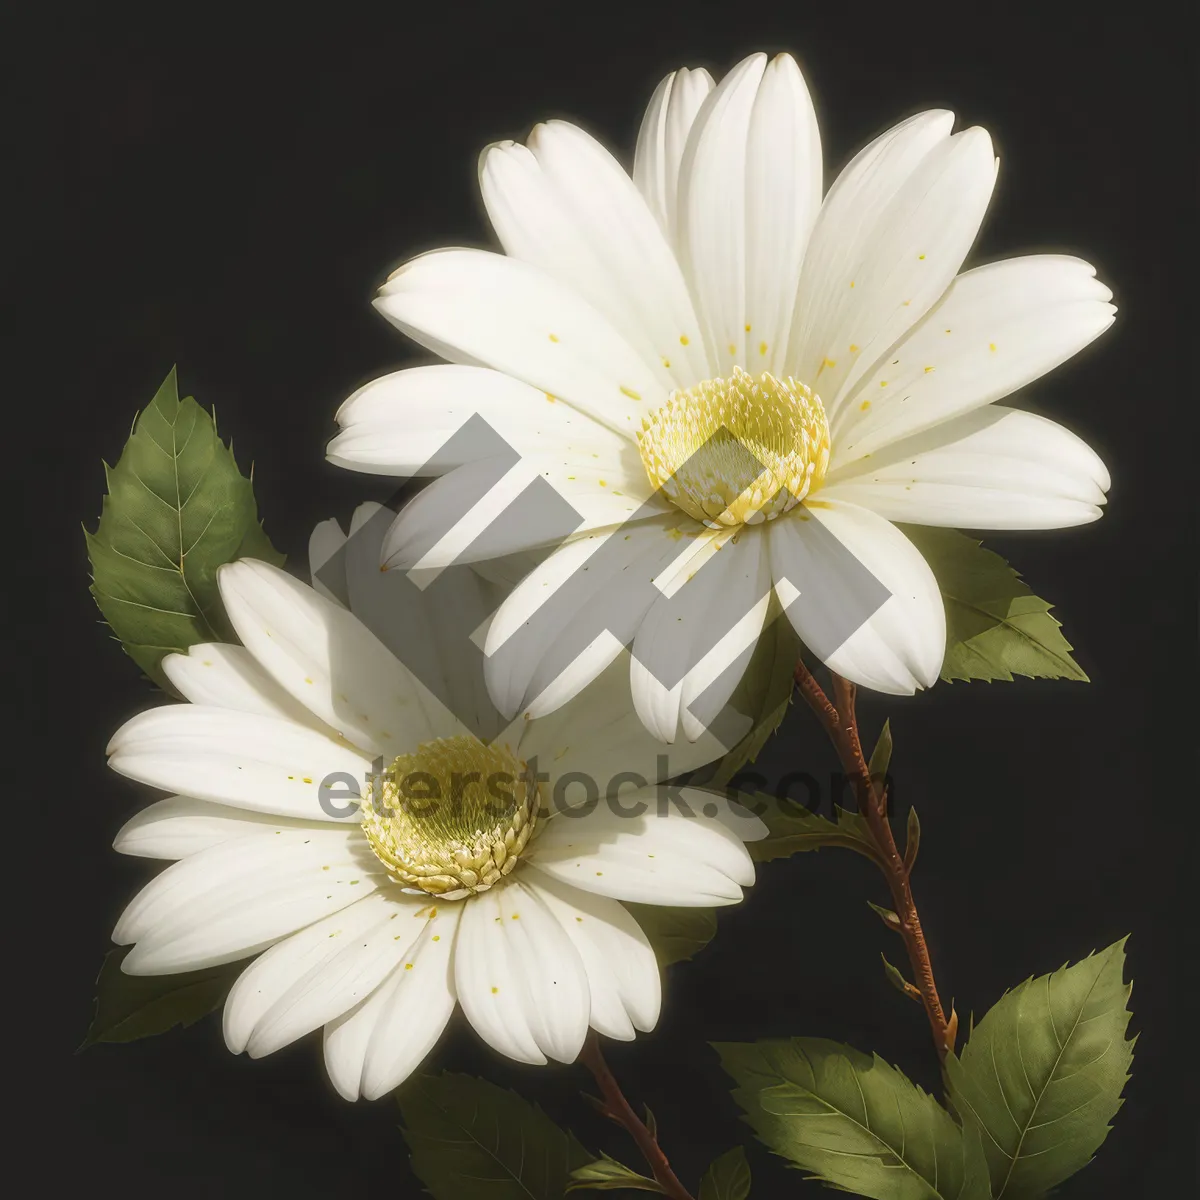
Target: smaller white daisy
(466, 873)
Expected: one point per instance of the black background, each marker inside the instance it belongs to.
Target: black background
(227, 196)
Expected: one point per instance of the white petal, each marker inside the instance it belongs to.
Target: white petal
(326, 567)
(677, 676)
(597, 582)
(239, 897)
(416, 1009)
(900, 648)
(712, 211)
(995, 468)
(309, 993)
(325, 657)
(331, 966)
(622, 972)
(783, 196)
(598, 739)
(506, 314)
(404, 424)
(519, 979)
(180, 825)
(648, 848)
(999, 327)
(565, 205)
(264, 764)
(895, 268)
(226, 676)
(661, 141)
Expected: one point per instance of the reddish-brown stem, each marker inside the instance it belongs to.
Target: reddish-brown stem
(840, 722)
(620, 1110)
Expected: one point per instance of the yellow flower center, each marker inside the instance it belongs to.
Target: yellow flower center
(452, 818)
(739, 450)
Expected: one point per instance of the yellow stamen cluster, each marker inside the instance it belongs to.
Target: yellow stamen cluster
(739, 450)
(452, 818)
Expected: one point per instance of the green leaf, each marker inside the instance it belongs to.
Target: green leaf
(471, 1139)
(912, 838)
(608, 1175)
(728, 1178)
(853, 1121)
(896, 978)
(792, 829)
(675, 933)
(881, 756)
(995, 626)
(1043, 1072)
(177, 509)
(129, 1007)
(764, 694)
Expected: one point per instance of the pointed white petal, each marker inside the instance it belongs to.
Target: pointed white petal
(646, 847)
(264, 764)
(319, 973)
(519, 979)
(900, 648)
(325, 657)
(995, 468)
(783, 196)
(712, 211)
(661, 141)
(566, 205)
(403, 424)
(484, 308)
(999, 327)
(239, 897)
(622, 972)
(180, 825)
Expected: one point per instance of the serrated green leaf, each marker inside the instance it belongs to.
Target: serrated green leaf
(853, 1121)
(177, 509)
(763, 694)
(675, 933)
(129, 1007)
(472, 1140)
(995, 626)
(1043, 1072)
(728, 1177)
(608, 1175)
(792, 829)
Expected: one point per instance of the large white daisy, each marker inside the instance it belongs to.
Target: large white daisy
(636, 329)
(458, 878)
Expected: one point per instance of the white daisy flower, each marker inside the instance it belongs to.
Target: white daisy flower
(630, 319)
(468, 874)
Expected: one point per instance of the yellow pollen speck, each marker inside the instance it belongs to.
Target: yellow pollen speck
(927, 370)
(883, 383)
(992, 346)
(554, 337)
(762, 346)
(599, 872)
(630, 393)
(907, 303)
(853, 348)
(516, 916)
(828, 362)
(307, 779)
(324, 868)
(667, 363)
(495, 990)
(408, 966)
(865, 405)
(579, 919)
(852, 283)
(603, 483)
(437, 937)
(732, 348)
(747, 328)
(291, 777)
(921, 257)
(683, 339)
(208, 662)
(550, 398)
